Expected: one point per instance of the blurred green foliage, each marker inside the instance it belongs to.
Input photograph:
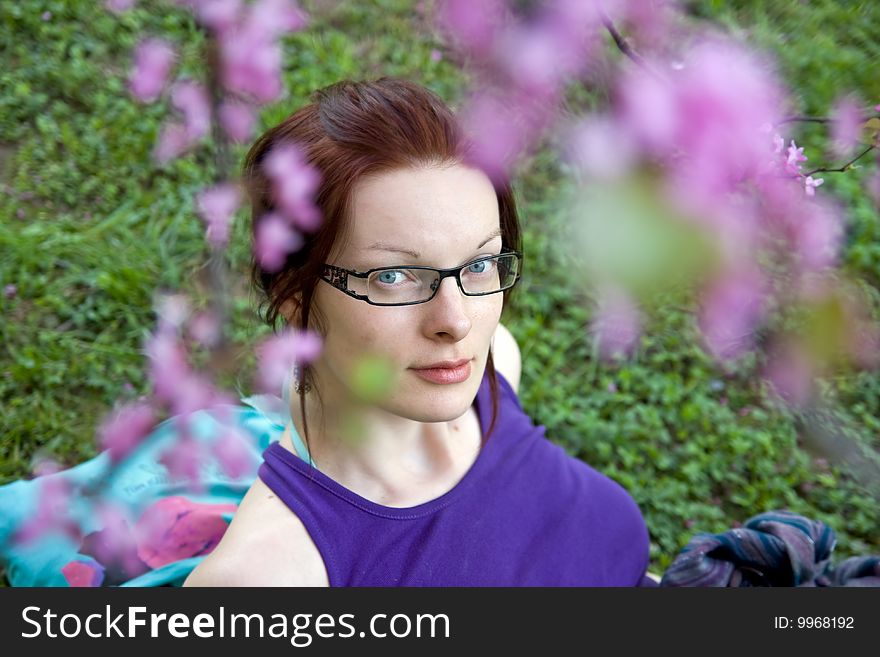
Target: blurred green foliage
(91, 228)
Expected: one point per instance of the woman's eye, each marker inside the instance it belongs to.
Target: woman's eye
(390, 277)
(481, 267)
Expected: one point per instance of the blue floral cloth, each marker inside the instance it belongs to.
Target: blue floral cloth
(140, 484)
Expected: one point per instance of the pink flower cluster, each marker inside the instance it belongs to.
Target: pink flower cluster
(246, 35)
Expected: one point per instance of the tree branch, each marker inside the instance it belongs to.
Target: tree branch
(845, 167)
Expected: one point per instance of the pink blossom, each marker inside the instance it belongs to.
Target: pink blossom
(168, 364)
(51, 515)
(294, 183)
(538, 57)
(237, 120)
(233, 454)
(193, 393)
(205, 329)
(810, 185)
(82, 573)
(598, 148)
(46, 466)
(119, 6)
(499, 131)
(192, 100)
(711, 110)
(816, 236)
(732, 308)
(176, 528)
(46, 15)
(278, 355)
(617, 324)
(10, 290)
(795, 156)
(219, 15)
(217, 206)
(184, 459)
(125, 428)
(274, 240)
(778, 144)
(251, 63)
(473, 25)
(276, 17)
(436, 55)
(173, 310)
(846, 125)
(173, 142)
(114, 544)
(152, 63)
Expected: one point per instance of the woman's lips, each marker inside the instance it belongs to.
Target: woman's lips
(446, 375)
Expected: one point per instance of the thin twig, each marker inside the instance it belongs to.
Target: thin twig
(843, 168)
(804, 119)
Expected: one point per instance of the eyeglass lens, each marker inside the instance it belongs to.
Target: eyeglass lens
(404, 285)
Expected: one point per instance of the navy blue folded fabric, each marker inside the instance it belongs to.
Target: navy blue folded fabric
(776, 548)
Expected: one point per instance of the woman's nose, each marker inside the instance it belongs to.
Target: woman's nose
(448, 309)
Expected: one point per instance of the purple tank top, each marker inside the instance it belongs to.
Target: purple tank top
(525, 514)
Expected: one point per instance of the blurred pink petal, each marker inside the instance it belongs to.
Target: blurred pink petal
(795, 156)
(45, 466)
(173, 142)
(125, 428)
(168, 364)
(176, 528)
(539, 57)
(237, 120)
(810, 185)
(10, 290)
(233, 454)
(499, 132)
(114, 545)
(276, 17)
(184, 458)
(173, 310)
(816, 236)
(192, 100)
(846, 125)
(79, 573)
(617, 323)
(53, 500)
(205, 329)
(598, 148)
(119, 6)
(295, 183)
(278, 354)
(472, 25)
(251, 63)
(152, 62)
(217, 206)
(732, 309)
(275, 240)
(791, 373)
(192, 393)
(707, 117)
(219, 15)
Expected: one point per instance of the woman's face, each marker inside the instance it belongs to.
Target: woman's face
(447, 216)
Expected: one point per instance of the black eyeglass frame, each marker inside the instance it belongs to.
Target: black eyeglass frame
(338, 278)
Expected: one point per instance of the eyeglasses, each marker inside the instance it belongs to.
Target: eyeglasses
(405, 286)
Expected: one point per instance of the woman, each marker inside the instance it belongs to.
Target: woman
(449, 483)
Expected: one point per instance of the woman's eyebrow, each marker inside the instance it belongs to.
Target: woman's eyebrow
(382, 246)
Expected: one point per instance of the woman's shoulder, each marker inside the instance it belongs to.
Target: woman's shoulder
(266, 544)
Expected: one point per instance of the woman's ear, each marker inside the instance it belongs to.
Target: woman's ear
(290, 310)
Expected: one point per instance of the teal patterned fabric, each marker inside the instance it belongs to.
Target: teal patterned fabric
(777, 548)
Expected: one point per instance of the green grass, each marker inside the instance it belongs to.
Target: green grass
(90, 230)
